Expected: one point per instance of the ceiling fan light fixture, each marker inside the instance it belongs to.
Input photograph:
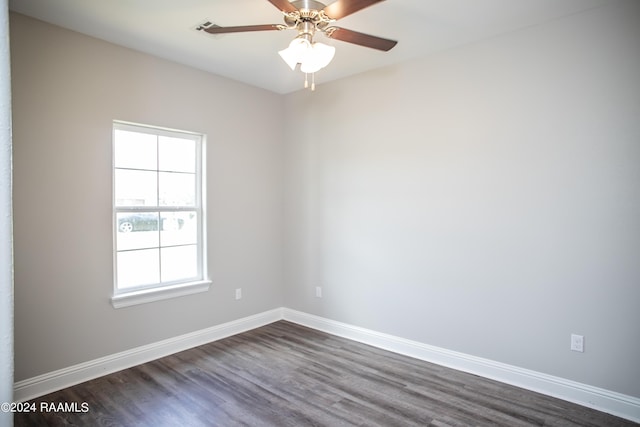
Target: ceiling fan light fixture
(312, 57)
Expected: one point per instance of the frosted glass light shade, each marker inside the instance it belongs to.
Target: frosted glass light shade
(318, 57)
(294, 54)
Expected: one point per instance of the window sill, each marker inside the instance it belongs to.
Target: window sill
(150, 295)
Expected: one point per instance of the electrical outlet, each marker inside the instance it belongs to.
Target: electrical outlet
(318, 292)
(577, 343)
(239, 293)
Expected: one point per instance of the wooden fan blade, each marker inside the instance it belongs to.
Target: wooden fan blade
(283, 5)
(360, 39)
(215, 29)
(342, 8)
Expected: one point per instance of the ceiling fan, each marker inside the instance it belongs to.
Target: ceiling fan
(309, 17)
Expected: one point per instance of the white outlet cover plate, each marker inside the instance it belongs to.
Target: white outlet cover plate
(577, 343)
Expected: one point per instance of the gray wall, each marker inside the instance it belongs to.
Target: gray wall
(484, 200)
(67, 89)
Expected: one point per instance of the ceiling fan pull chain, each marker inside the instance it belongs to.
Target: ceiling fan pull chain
(306, 80)
(313, 81)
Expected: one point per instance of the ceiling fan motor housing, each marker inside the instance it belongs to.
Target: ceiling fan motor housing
(308, 18)
(308, 4)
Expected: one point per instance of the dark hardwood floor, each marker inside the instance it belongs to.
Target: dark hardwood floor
(284, 374)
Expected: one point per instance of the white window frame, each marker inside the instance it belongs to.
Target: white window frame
(160, 291)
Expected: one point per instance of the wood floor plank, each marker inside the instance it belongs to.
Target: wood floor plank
(284, 374)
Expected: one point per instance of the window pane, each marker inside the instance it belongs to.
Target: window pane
(177, 189)
(136, 188)
(179, 262)
(177, 154)
(138, 268)
(135, 150)
(179, 228)
(137, 230)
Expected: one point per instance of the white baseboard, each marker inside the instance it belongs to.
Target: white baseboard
(57, 380)
(597, 398)
(603, 400)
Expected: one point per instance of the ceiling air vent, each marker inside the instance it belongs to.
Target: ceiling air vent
(207, 23)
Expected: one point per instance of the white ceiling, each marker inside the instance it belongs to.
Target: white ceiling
(166, 28)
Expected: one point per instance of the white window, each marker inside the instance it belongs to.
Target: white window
(158, 217)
